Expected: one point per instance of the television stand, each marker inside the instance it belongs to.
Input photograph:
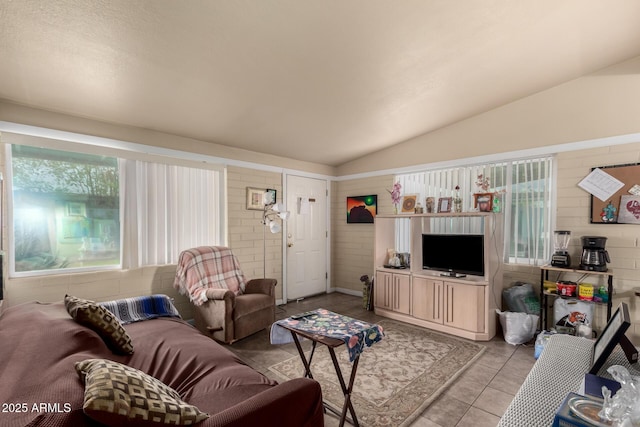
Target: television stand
(451, 303)
(452, 274)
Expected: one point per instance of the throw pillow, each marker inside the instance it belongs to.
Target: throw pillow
(119, 395)
(101, 320)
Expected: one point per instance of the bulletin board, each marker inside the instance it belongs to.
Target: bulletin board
(624, 204)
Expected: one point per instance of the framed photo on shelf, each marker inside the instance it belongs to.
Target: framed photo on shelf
(444, 204)
(409, 203)
(483, 201)
(255, 198)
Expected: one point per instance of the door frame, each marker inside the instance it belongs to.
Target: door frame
(285, 229)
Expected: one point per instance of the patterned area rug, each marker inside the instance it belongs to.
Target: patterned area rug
(397, 377)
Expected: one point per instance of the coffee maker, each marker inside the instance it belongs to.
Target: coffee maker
(594, 256)
(560, 257)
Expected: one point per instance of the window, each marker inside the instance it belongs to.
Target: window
(66, 210)
(529, 213)
(84, 211)
(524, 189)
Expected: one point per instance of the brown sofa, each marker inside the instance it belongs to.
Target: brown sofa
(39, 386)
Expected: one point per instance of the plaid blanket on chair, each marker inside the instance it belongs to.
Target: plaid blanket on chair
(136, 309)
(208, 267)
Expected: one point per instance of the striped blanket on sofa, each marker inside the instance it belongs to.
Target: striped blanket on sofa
(136, 309)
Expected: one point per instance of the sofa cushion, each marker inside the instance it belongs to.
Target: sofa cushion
(119, 395)
(102, 321)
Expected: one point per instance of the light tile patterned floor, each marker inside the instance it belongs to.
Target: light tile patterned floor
(478, 398)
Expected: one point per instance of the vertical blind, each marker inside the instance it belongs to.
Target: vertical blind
(175, 207)
(525, 190)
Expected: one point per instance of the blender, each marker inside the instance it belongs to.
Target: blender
(560, 257)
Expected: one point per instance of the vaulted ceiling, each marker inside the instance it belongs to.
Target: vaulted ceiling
(325, 81)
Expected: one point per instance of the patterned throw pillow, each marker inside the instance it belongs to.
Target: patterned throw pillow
(101, 320)
(119, 395)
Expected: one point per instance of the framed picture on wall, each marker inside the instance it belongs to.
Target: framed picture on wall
(255, 198)
(270, 196)
(362, 209)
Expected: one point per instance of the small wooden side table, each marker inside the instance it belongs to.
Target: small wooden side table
(321, 327)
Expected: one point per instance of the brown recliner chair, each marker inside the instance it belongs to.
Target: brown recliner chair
(226, 306)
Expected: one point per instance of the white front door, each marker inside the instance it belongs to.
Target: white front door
(306, 237)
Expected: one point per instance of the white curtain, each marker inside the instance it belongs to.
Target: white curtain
(168, 209)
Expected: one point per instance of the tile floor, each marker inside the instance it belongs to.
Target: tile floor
(478, 398)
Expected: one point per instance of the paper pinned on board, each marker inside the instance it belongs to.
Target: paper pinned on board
(601, 184)
(635, 190)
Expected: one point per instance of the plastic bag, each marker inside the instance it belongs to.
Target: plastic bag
(518, 328)
(541, 341)
(522, 298)
(623, 408)
(568, 314)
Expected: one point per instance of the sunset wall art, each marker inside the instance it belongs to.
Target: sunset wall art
(362, 209)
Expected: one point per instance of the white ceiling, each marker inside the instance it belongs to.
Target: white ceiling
(325, 81)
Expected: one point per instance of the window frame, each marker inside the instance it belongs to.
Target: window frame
(112, 148)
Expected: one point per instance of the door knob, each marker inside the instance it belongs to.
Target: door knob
(289, 244)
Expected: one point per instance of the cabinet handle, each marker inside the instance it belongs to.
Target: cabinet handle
(395, 293)
(450, 305)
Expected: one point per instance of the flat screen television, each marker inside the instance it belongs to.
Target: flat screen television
(455, 254)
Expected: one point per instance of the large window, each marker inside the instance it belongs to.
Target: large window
(524, 194)
(66, 209)
(74, 210)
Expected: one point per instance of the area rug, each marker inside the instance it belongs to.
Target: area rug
(397, 378)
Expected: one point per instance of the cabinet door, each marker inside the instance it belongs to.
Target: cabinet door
(401, 293)
(464, 306)
(427, 299)
(382, 291)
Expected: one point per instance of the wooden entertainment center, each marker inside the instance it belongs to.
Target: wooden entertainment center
(462, 306)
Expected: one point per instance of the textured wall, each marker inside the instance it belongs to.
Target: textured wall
(573, 211)
(352, 244)
(245, 227)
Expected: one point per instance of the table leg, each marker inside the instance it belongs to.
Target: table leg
(305, 362)
(346, 389)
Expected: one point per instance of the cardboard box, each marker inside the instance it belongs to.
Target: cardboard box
(592, 386)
